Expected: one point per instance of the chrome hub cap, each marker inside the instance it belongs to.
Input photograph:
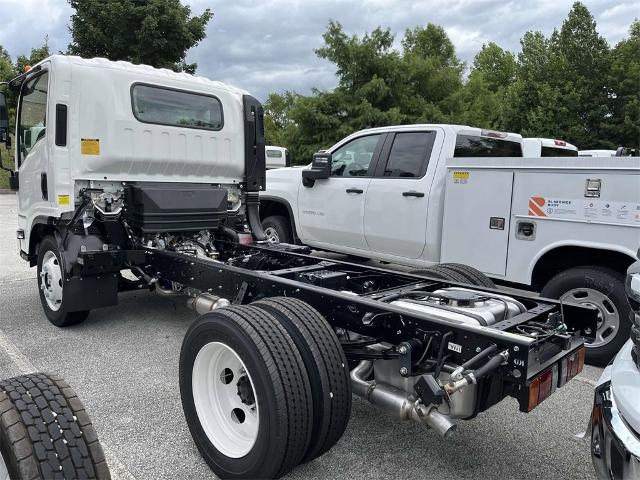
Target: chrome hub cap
(51, 280)
(608, 316)
(225, 400)
(272, 235)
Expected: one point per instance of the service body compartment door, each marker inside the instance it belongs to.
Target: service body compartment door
(475, 228)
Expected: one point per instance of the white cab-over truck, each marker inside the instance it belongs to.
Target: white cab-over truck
(420, 195)
(132, 178)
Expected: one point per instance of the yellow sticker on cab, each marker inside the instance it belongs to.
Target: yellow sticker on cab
(461, 176)
(90, 146)
(64, 200)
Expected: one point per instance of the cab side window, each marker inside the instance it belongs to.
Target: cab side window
(409, 154)
(33, 114)
(354, 158)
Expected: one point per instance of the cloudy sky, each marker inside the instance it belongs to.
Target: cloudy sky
(267, 45)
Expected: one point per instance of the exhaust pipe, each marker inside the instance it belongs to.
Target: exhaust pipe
(205, 302)
(396, 401)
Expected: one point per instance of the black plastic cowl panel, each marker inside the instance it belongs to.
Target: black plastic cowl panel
(174, 207)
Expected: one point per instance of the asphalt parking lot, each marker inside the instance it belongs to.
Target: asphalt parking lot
(123, 362)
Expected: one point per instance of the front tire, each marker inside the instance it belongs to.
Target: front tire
(52, 279)
(277, 229)
(245, 393)
(602, 288)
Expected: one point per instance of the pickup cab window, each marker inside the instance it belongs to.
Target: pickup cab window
(409, 154)
(354, 158)
(476, 146)
(558, 152)
(33, 114)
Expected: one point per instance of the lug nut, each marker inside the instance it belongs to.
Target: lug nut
(404, 371)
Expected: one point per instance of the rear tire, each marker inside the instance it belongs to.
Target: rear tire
(45, 432)
(262, 383)
(52, 279)
(277, 229)
(326, 365)
(441, 274)
(475, 277)
(604, 289)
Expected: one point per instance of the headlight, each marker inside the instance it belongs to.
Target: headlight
(633, 282)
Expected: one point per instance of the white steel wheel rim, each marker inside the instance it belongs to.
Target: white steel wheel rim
(608, 315)
(51, 280)
(224, 410)
(272, 235)
(4, 471)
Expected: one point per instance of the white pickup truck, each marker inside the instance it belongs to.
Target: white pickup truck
(425, 194)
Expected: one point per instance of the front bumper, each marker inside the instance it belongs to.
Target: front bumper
(615, 447)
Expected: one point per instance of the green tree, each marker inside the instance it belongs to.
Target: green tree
(36, 56)
(623, 125)
(497, 66)
(152, 32)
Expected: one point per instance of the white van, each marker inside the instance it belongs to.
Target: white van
(547, 147)
(276, 157)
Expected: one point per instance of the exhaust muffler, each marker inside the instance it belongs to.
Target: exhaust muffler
(397, 401)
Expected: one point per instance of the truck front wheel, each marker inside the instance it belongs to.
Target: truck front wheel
(51, 282)
(603, 289)
(277, 229)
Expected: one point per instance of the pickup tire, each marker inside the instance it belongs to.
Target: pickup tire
(603, 288)
(326, 366)
(277, 229)
(476, 277)
(45, 432)
(245, 393)
(51, 277)
(457, 272)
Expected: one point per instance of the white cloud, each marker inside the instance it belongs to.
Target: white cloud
(267, 45)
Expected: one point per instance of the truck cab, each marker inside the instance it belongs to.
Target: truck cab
(547, 147)
(277, 157)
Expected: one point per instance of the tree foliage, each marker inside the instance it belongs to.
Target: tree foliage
(153, 32)
(570, 85)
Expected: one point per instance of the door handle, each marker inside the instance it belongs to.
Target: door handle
(44, 188)
(354, 190)
(413, 193)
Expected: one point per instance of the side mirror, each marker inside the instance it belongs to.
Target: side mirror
(4, 121)
(320, 169)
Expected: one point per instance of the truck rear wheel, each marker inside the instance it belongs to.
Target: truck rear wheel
(326, 365)
(277, 229)
(603, 289)
(476, 277)
(45, 431)
(245, 393)
(51, 281)
(445, 272)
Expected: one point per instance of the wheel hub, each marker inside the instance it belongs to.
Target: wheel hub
(608, 315)
(272, 235)
(225, 400)
(51, 280)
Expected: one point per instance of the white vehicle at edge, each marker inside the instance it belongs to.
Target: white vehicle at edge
(597, 153)
(547, 147)
(568, 229)
(276, 157)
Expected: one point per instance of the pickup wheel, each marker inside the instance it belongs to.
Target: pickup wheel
(277, 229)
(441, 273)
(245, 393)
(474, 276)
(51, 281)
(326, 366)
(603, 289)
(45, 431)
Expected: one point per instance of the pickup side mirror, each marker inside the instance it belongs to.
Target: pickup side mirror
(320, 169)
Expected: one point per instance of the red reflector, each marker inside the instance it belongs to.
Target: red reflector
(546, 381)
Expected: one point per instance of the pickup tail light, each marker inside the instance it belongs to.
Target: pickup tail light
(542, 386)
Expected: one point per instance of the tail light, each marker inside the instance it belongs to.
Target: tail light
(571, 365)
(542, 386)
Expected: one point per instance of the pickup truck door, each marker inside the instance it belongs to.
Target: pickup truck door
(395, 218)
(332, 210)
